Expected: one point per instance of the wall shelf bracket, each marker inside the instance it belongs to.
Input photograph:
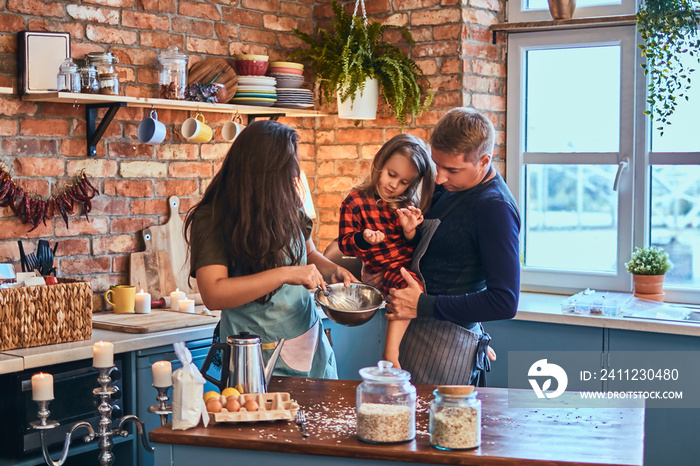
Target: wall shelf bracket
(274, 116)
(94, 131)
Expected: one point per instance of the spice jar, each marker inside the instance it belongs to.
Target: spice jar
(386, 405)
(455, 418)
(172, 75)
(68, 79)
(109, 83)
(88, 78)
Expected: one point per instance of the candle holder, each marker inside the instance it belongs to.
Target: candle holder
(104, 430)
(162, 408)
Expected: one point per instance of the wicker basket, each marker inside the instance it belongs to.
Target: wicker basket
(46, 314)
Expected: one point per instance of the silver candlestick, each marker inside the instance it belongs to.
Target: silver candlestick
(104, 430)
(162, 408)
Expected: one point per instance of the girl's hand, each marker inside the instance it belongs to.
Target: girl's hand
(409, 218)
(307, 276)
(373, 236)
(342, 275)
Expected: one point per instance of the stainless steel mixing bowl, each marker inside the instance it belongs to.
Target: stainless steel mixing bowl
(367, 298)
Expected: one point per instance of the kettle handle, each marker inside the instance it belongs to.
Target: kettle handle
(226, 348)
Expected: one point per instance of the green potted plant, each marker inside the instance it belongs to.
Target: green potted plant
(648, 267)
(669, 30)
(353, 53)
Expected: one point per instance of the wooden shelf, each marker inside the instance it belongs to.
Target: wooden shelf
(146, 102)
(6, 90)
(574, 23)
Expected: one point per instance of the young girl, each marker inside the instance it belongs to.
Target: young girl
(378, 220)
(252, 256)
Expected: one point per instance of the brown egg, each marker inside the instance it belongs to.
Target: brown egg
(214, 405)
(251, 405)
(250, 397)
(232, 404)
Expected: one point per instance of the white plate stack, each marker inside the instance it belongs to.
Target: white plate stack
(294, 98)
(255, 90)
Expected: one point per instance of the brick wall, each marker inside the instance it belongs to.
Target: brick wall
(43, 145)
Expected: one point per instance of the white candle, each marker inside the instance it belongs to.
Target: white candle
(186, 305)
(103, 354)
(42, 387)
(175, 297)
(142, 303)
(162, 374)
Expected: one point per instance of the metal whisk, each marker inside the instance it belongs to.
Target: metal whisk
(339, 301)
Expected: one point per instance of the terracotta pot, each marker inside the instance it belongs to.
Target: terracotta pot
(651, 297)
(562, 9)
(648, 284)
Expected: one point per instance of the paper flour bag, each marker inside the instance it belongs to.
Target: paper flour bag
(188, 389)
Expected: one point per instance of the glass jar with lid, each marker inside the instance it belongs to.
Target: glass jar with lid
(386, 405)
(103, 61)
(108, 83)
(172, 75)
(68, 79)
(455, 418)
(88, 77)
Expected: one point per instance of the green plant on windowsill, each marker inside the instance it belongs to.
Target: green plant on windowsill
(669, 28)
(652, 260)
(344, 57)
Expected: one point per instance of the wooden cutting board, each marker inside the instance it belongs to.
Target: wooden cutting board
(208, 69)
(151, 270)
(170, 237)
(157, 321)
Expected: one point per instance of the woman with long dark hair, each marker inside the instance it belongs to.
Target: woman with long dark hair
(252, 254)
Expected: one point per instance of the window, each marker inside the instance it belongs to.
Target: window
(538, 10)
(592, 176)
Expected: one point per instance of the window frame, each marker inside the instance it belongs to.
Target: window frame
(518, 11)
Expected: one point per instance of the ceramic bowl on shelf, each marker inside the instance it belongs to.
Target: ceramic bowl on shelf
(287, 64)
(246, 56)
(251, 67)
(288, 81)
(285, 70)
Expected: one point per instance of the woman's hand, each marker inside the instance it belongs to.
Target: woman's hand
(373, 236)
(307, 276)
(342, 275)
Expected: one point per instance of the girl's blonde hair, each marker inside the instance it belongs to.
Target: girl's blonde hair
(419, 193)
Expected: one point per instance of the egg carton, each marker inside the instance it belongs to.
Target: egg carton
(272, 407)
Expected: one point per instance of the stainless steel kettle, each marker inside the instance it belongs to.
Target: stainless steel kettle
(242, 363)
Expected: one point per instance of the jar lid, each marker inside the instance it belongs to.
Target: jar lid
(102, 56)
(108, 75)
(172, 53)
(68, 65)
(384, 373)
(455, 391)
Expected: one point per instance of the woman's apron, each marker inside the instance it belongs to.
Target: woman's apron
(290, 314)
(439, 352)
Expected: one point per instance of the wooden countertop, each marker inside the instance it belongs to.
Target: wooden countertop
(557, 435)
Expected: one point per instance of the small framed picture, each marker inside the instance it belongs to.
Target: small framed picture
(40, 55)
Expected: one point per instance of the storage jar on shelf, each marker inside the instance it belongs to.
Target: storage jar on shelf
(172, 75)
(455, 418)
(68, 79)
(107, 77)
(88, 78)
(109, 83)
(386, 405)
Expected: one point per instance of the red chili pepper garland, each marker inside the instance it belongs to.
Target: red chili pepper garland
(34, 210)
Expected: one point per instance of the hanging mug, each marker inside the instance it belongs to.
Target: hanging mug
(232, 129)
(196, 130)
(150, 130)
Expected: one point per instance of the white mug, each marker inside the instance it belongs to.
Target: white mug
(231, 130)
(150, 130)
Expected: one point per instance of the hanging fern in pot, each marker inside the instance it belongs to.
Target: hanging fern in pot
(669, 29)
(353, 51)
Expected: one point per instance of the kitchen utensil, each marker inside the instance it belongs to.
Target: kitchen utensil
(170, 237)
(365, 299)
(301, 422)
(45, 257)
(216, 69)
(22, 257)
(151, 271)
(243, 363)
(32, 262)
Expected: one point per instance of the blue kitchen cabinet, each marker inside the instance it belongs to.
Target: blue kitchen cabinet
(357, 347)
(146, 393)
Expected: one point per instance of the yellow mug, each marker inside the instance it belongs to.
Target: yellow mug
(195, 130)
(123, 296)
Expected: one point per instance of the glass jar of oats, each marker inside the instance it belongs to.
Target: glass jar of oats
(455, 418)
(386, 405)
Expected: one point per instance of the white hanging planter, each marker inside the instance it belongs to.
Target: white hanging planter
(363, 105)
